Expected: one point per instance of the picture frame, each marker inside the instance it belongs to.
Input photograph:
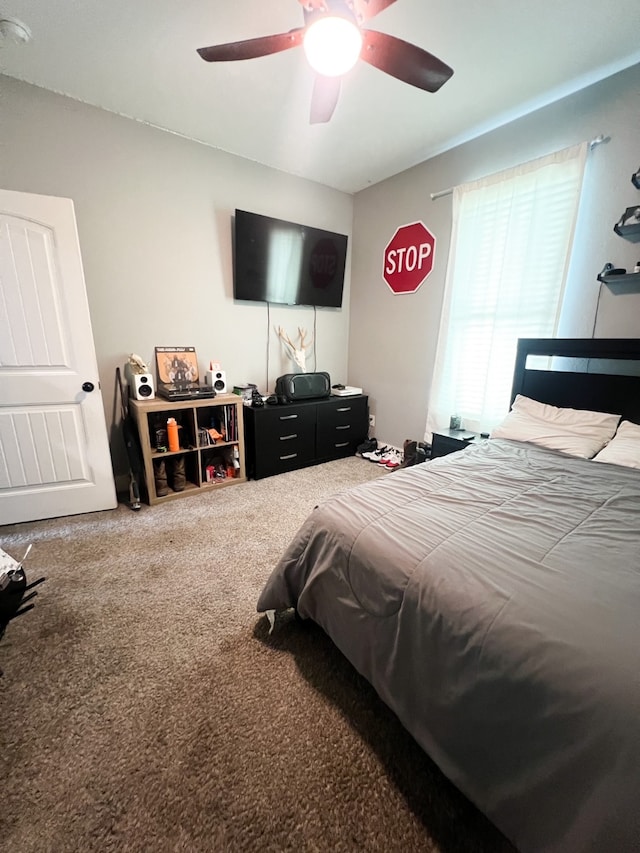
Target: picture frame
(177, 366)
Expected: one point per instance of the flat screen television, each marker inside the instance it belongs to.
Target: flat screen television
(287, 263)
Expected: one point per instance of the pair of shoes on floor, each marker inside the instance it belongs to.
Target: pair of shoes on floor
(391, 459)
(169, 471)
(367, 446)
(376, 453)
(384, 455)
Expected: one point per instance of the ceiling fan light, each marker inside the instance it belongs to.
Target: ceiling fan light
(332, 45)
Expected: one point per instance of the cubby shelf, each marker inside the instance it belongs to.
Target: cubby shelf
(193, 416)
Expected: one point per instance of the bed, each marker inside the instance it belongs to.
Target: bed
(492, 598)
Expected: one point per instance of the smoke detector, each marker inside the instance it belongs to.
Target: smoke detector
(13, 31)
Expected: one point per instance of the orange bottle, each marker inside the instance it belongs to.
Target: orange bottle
(172, 434)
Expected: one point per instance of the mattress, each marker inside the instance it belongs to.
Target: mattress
(492, 598)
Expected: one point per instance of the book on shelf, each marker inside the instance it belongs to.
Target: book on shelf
(223, 426)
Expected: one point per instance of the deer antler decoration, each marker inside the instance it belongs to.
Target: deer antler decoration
(297, 353)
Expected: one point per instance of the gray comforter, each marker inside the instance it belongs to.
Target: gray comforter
(492, 598)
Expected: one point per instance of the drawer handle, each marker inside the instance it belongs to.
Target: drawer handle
(287, 417)
(342, 444)
(346, 426)
(290, 456)
(288, 437)
(345, 409)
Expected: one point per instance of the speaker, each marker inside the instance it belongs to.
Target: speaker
(217, 379)
(303, 386)
(141, 385)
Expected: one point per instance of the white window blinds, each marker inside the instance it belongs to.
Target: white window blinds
(510, 249)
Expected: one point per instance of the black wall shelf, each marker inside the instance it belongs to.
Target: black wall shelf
(629, 283)
(629, 232)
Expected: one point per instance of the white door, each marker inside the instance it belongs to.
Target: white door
(54, 451)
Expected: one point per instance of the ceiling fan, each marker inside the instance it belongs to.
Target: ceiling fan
(404, 61)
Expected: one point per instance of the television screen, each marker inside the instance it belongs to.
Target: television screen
(287, 263)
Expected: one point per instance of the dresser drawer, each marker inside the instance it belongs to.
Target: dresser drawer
(276, 423)
(287, 456)
(342, 425)
(341, 411)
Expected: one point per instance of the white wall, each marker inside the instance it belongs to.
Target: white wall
(393, 338)
(154, 217)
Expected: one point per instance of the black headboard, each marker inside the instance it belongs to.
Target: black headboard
(600, 374)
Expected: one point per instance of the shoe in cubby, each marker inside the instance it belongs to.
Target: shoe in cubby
(160, 477)
(177, 474)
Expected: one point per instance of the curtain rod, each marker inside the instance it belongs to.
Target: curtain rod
(597, 141)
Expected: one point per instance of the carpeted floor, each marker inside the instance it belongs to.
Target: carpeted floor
(144, 707)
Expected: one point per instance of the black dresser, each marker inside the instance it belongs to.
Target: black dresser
(285, 437)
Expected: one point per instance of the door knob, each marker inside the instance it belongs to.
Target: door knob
(88, 386)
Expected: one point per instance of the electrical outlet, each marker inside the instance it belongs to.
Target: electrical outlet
(372, 420)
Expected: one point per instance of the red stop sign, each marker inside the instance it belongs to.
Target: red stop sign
(408, 257)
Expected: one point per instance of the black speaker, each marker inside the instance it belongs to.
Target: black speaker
(303, 386)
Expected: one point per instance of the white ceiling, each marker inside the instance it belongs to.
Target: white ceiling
(138, 58)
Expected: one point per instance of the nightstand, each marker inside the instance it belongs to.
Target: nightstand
(449, 440)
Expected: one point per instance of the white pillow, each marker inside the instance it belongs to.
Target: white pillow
(572, 431)
(624, 447)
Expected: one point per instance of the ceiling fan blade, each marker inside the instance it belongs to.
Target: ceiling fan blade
(326, 91)
(405, 61)
(252, 48)
(366, 9)
(362, 9)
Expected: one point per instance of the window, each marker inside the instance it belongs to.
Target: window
(510, 248)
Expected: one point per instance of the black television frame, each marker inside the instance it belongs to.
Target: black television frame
(317, 284)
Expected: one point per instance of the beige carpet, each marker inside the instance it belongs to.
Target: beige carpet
(143, 706)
